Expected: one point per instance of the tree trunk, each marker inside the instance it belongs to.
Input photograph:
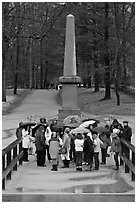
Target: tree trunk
(107, 61)
(117, 92)
(46, 76)
(3, 84)
(16, 68)
(3, 71)
(41, 65)
(117, 81)
(96, 82)
(123, 50)
(30, 66)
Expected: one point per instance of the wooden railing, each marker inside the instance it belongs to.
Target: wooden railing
(127, 157)
(11, 155)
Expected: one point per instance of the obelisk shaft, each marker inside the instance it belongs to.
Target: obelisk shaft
(70, 55)
(69, 79)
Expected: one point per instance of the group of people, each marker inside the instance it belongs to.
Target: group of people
(83, 149)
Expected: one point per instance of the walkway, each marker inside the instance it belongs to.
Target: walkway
(39, 184)
(40, 103)
(30, 179)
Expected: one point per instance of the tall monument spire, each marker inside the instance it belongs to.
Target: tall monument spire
(69, 79)
(70, 54)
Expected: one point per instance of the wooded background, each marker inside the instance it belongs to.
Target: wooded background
(33, 43)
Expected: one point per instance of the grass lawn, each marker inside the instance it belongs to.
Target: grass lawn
(90, 102)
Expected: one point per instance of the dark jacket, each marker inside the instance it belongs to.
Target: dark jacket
(19, 132)
(40, 141)
(88, 145)
(127, 133)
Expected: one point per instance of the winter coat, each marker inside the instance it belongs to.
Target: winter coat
(88, 145)
(127, 133)
(97, 143)
(79, 145)
(25, 139)
(48, 134)
(54, 148)
(40, 141)
(106, 141)
(19, 132)
(66, 141)
(116, 145)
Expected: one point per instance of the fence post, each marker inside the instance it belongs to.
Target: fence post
(14, 156)
(8, 162)
(20, 150)
(3, 168)
(121, 161)
(133, 162)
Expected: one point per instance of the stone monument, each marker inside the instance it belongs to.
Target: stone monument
(69, 80)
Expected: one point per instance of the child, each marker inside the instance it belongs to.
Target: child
(54, 151)
(79, 141)
(96, 142)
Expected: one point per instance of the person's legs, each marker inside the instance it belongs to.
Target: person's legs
(38, 157)
(77, 161)
(48, 154)
(103, 152)
(96, 155)
(80, 160)
(116, 160)
(25, 154)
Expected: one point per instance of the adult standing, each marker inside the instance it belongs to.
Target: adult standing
(88, 151)
(66, 145)
(40, 146)
(126, 134)
(97, 143)
(54, 150)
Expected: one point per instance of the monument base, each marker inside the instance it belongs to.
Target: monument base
(65, 113)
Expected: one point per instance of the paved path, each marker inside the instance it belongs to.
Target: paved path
(33, 180)
(39, 103)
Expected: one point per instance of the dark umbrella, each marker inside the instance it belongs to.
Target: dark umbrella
(101, 130)
(34, 129)
(57, 126)
(28, 124)
(85, 120)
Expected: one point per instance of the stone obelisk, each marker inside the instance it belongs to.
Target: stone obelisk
(69, 80)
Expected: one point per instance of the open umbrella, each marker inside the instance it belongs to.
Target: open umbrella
(92, 119)
(101, 129)
(28, 124)
(87, 123)
(35, 128)
(79, 130)
(72, 121)
(56, 126)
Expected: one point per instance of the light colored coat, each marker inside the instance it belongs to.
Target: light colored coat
(79, 145)
(25, 137)
(54, 148)
(97, 143)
